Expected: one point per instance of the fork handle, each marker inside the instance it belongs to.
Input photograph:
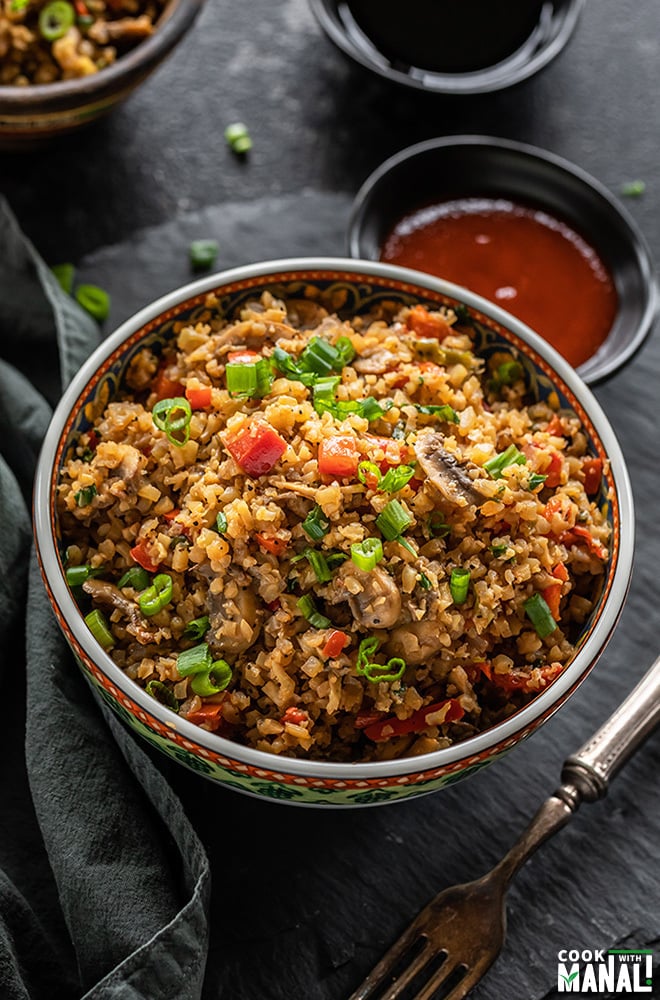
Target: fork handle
(592, 768)
(586, 774)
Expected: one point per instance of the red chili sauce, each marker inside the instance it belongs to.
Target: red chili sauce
(519, 257)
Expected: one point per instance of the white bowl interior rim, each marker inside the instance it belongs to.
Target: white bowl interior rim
(474, 745)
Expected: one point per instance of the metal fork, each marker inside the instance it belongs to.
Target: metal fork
(455, 939)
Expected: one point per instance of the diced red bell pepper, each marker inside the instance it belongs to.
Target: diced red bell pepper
(256, 448)
(208, 714)
(141, 556)
(271, 543)
(520, 680)
(164, 387)
(338, 456)
(199, 399)
(365, 718)
(560, 572)
(385, 729)
(552, 597)
(553, 471)
(555, 427)
(579, 534)
(172, 514)
(335, 643)
(245, 357)
(421, 322)
(592, 469)
(296, 716)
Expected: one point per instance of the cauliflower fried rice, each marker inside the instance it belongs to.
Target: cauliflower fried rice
(343, 539)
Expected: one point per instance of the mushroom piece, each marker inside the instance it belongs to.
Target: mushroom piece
(378, 604)
(447, 473)
(416, 642)
(233, 621)
(106, 593)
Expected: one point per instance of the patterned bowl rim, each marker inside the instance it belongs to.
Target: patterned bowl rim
(405, 281)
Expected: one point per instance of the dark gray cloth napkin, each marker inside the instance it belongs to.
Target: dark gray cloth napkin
(100, 836)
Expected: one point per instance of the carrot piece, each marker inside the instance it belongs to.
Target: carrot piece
(552, 597)
(560, 572)
(172, 514)
(579, 534)
(386, 728)
(296, 716)
(555, 427)
(164, 387)
(338, 456)
(421, 322)
(553, 471)
(336, 641)
(141, 556)
(199, 399)
(271, 543)
(256, 448)
(209, 714)
(245, 357)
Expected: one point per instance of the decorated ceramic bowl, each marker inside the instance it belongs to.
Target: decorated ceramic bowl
(360, 285)
(33, 114)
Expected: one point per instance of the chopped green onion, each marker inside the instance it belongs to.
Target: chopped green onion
(320, 357)
(335, 559)
(406, 544)
(250, 381)
(94, 300)
(203, 254)
(459, 584)
(540, 615)
(424, 581)
(221, 523)
(238, 137)
(173, 416)
(495, 466)
(633, 189)
(319, 564)
(55, 19)
(157, 596)
(308, 609)
(135, 577)
(195, 660)
(98, 625)
(197, 628)
(499, 549)
(369, 470)
(366, 650)
(395, 479)
(445, 412)
(316, 524)
(324, 392)
(180, 540)
(535, 480)
(76, 575)
(282, 362)
(163, 694)
(393, 671)
(212, 681)
(437, 526)
(367, 554)
(370, 409)
(346, 350)
(16, 6)
(393, 520)
(85, 496)
(65, 273)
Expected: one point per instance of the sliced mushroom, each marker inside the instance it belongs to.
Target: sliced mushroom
(234, 622)
(378, 604)
(447, 473)
(106, 593)
(416, 642)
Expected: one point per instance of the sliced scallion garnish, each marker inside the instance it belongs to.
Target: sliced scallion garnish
(194, 661)
(459, 585)
(249, 381)
(540, 615)
(197, 628)
(135, 577)
(444, 412)
(511, 456)
(309, 611)
(393, 520)
(157, 596)
(395, 479)
(203, 254)
(212, 681)
(173, 416)
(221, 523)
(94, 300)
(367, 554)
(85, 496)
(316, 524)
(98, 625)
(163, 694)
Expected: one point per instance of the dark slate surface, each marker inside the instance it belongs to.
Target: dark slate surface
(334, 889)
(304, 903)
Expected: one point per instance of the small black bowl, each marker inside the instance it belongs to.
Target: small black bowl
(432, 51)
(464, 166)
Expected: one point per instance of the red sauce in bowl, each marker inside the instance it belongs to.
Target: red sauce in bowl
(530, 263)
